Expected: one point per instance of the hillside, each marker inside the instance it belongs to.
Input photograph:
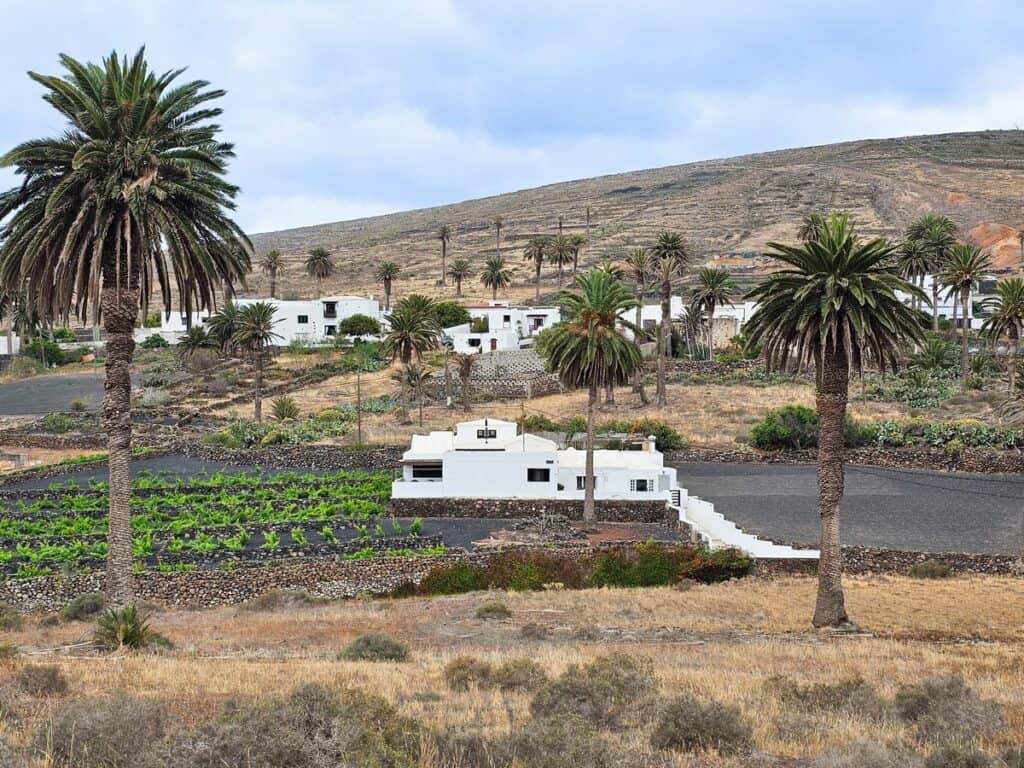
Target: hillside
(728, 208)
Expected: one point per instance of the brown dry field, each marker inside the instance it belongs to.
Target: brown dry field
(721, 641)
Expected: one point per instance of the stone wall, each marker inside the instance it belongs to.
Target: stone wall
(608, 510)
(310, 457)
(870, 560)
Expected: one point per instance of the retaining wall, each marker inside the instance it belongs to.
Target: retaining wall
(608, 510)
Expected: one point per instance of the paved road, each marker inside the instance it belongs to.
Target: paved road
(899, 509)
(46, 394)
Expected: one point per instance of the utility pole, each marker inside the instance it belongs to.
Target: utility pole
(359, 406)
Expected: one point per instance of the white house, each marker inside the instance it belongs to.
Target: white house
(312, 320)
(946, 304)
(499, 326)
(490, 459)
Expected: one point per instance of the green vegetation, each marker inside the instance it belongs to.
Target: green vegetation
(375, 647)
(666, 438)
(126, 628)
(154, 341)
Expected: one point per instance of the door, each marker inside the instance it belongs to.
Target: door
(494, 345)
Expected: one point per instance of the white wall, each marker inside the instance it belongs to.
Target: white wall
(15, 342)
(466, 342)
(484, 474)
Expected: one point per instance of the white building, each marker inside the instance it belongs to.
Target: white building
(946, 304)
(500, 326)
(312, 320)
(490, 459)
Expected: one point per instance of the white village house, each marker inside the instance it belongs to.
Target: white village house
(500, 326)
(490, 459)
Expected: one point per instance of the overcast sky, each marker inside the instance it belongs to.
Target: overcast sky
(341, 110)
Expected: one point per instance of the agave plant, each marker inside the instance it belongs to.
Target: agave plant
(126, 627)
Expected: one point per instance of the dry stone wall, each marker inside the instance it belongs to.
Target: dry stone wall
(608, 510)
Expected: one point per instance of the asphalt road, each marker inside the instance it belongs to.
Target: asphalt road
(40, 395)
(897, 509)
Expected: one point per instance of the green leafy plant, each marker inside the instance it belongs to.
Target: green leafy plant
(284, 408)
(126, 627)
(375, 647)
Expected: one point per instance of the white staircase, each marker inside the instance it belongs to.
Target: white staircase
(719, 533)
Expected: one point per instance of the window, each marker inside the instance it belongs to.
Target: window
(486, 434)
(506, 319)
(581, 484)
(303, 320)
(330, 309)
(329, 330)
(427, 471)
(641, 486)
(474, 342)
(534, 475)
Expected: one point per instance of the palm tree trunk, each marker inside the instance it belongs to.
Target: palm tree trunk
(588, 465)
(664, 340)
(444, 260)
(458, 287)
(273, 284)
(465, 393)
(935, 304)
(387, 298)
(537, 294)
(711, 333)
(403, 410)
(638, 374)
(964, 353)
(609, 394)
(419, 392)
(257, 406)
(1013, 361)
(120, 310)
(832, 394)
(494, 292)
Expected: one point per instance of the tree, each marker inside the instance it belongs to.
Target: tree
(835, 298)
(913, 262)
(715, 288)
(937, 236)
(450, 313)
(254, 333)
(359, 325)
(319, 266)
(132, 193)
(444, 234)
(499, 224)
(414, 376)
(578, 241)
(1006, 317)
(589, 350)
(496, 275)
(222, 325)
(559, 252)
(671, 257)
(386, 273)
(413, 330)
(535, 251)
(271, 264)
(639, 264)
(811, 227)
(195, 339)
(465, 363)
(965, 267)
(460, 270)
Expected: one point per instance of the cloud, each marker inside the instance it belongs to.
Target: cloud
(268, 213)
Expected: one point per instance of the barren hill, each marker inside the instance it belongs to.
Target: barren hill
(728, 208)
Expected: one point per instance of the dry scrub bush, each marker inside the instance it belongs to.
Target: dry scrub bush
(10, 619)
(852, 696)
(465, 671)
(42, 680)
(534, 631)
(601, 692)
(945, 710)
(961, 757)
(84, 607)
(375, 647)
(493, 609)
(278, 599)
(687, 724)
(868, 754)
(559, 742)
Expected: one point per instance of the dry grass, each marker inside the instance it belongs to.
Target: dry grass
(721, 641)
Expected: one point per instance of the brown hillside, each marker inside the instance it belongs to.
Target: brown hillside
(728, 208)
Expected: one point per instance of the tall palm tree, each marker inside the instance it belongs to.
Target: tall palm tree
(499, 224)
(222, 325)
(671, 257)
(413, 329)
(460, 270)
(496, 275)
(1006, 317)
(589, 350)
(465, 363)
(913, 261)
(811, 226)
(715, 288)
(386, 273)
(536, 251)
(559, 253)
(444, 234)
(937, 236)
(578, 241)
(639, 265)
(271, 264)
(965, 267)
(132, 192)
(836, 297)
(254, 333)
(319, 266)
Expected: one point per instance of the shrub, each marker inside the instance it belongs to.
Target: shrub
(868, 754)
(650, 565)
(852, 696)
(463, 672)
(451, 313)
(375, 647)
(42, 680)
(22, 367)
(601, 692)
(359, 325)
(284, 408)
(534, 631)
(57, 423)
(126, 628)
(155, 341)
(493, 609)
(10, 619)
(564, 742)
(665, 438)
(39, 349)
(791, 426)
(945, 710)
(79, 406)
(452, 580)
(961, 757)
(531, 570)
(115, 731)
(84, 607)
(687, 724)
(518, 675)
(930, 569)
(276, 599)
(1014, 757)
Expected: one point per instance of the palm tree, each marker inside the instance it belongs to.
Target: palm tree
(254, 333)
(715, 288)
(460, 270)
(319, 266)
(465, 363)
(559, 252)
(811, 226)
(132, 192)
(836, 297)
(671, 256)
(222, 326)
(965, 267)
(386, 273)
(413, 376)
(271, 264)
(937, 236)
(1006, 317)
(536, 250)
(495, 275)
(590, 350)
(413, 330)
(444, 234)
(195, 339)
(913, 262)
(498, 223)
(578, 241)
(640, 264)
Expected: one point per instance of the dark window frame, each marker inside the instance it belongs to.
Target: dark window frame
(538, 474)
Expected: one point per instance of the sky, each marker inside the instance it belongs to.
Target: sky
(340, 110)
